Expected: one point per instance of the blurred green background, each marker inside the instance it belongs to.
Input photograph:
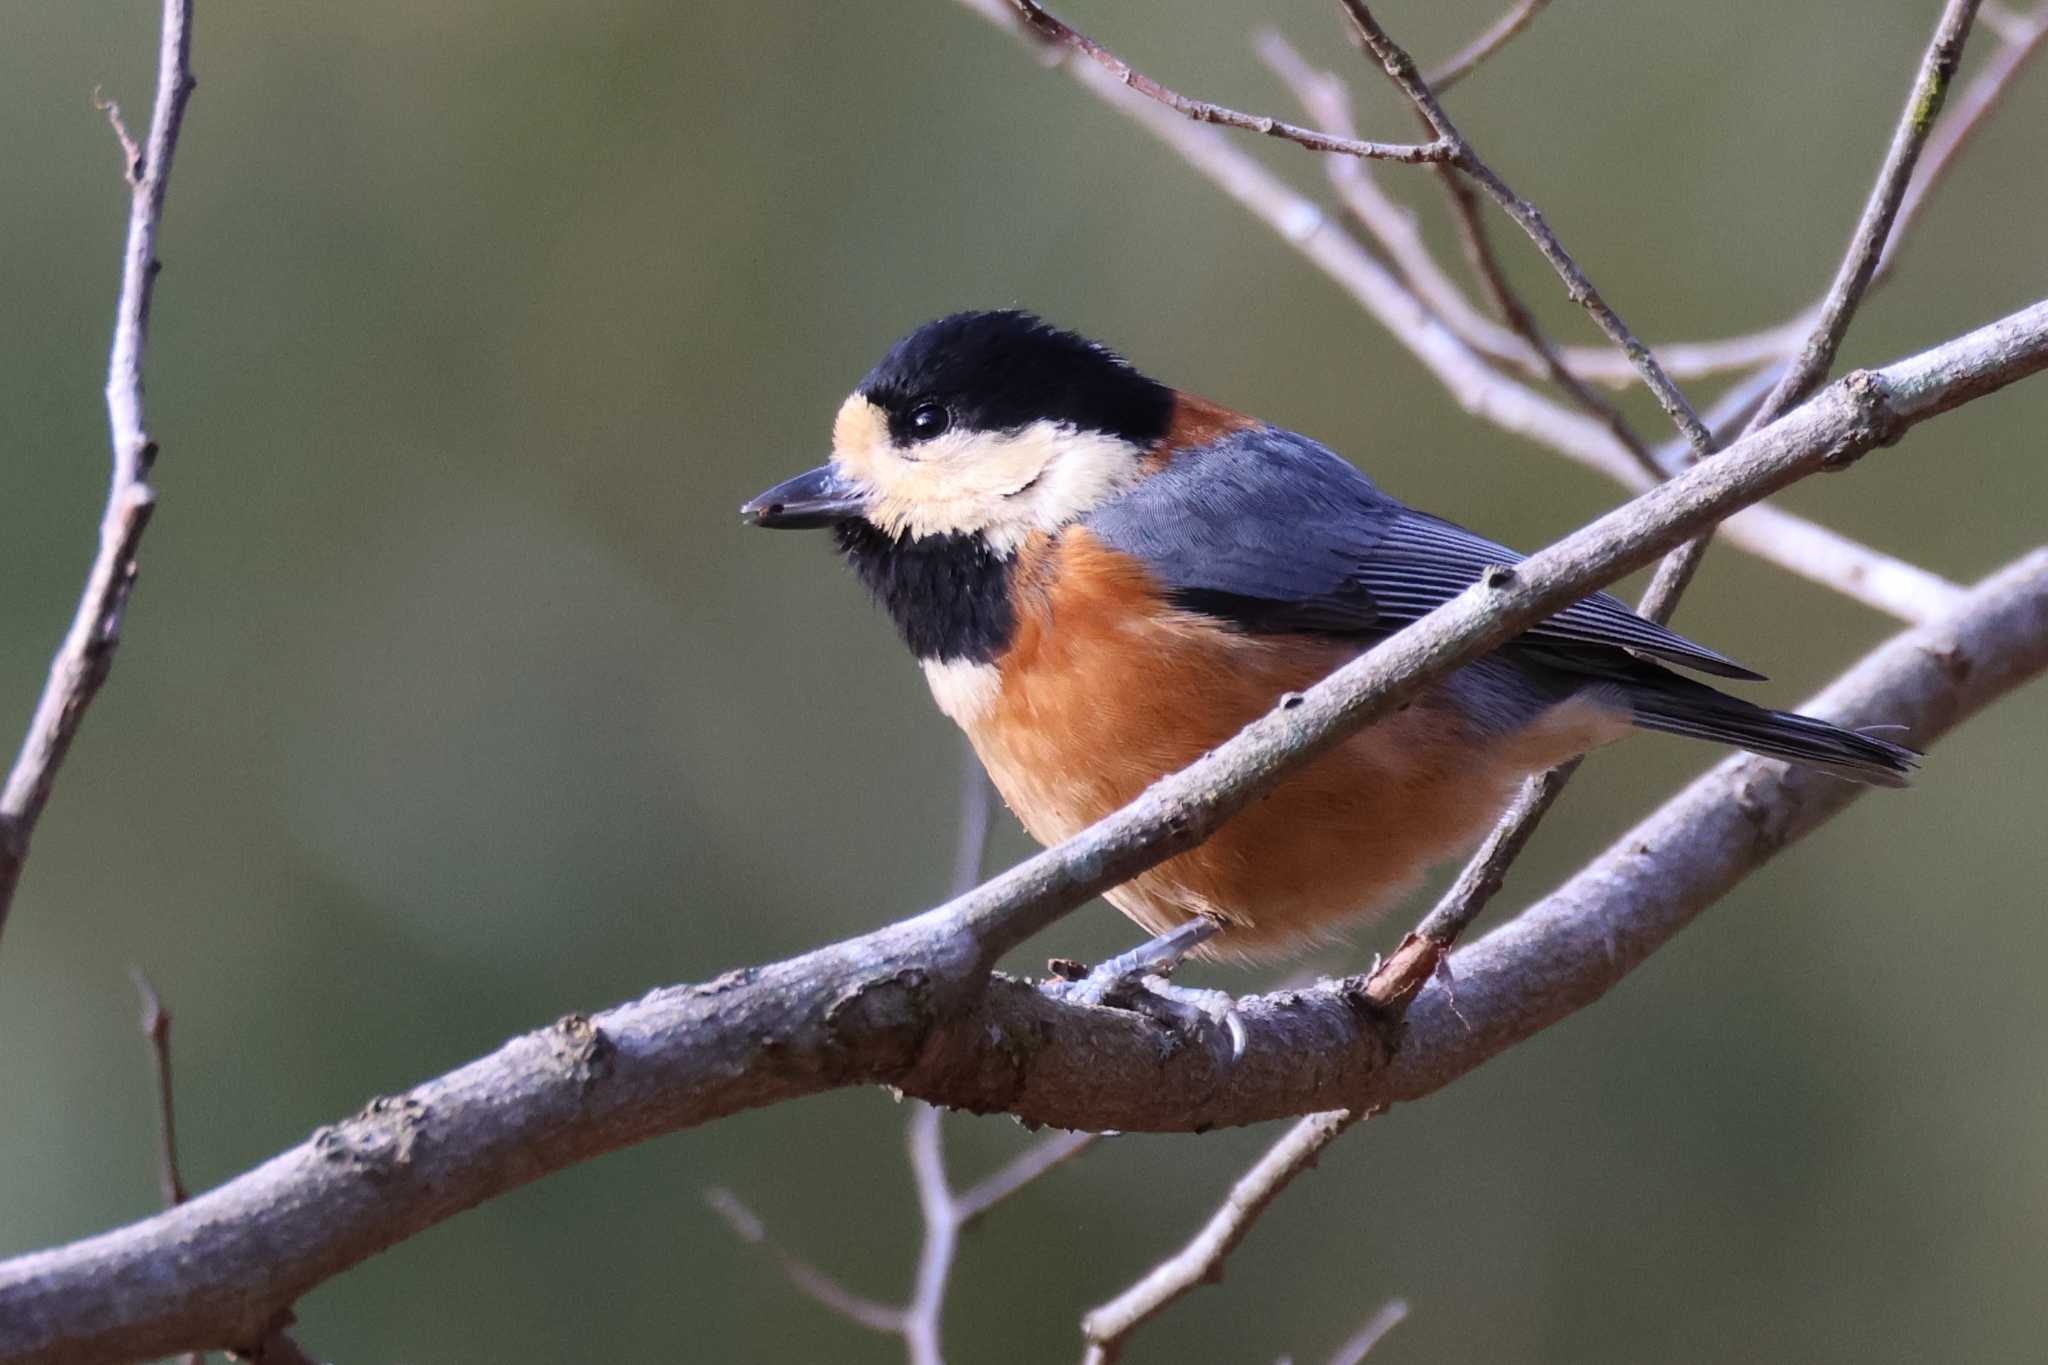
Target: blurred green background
(454, 696)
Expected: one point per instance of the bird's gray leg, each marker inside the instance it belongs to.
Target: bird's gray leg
(1136, 981)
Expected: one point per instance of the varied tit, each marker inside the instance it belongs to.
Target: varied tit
(1103, 578)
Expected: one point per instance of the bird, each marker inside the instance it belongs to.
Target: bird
(1103, 577)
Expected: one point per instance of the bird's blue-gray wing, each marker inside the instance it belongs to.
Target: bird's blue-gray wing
(1276, 534)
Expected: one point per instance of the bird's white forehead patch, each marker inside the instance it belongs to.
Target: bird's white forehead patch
(964, 691)
(1000, 485)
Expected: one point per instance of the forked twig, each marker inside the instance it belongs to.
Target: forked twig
(1056, 31)
(946, 1212)
(87, 653)
(1423, 952)
(1401, 69)
(1108, 1326)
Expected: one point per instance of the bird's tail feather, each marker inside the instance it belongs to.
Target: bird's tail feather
(1680, 706)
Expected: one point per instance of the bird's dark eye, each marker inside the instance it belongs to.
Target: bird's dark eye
(928, 420)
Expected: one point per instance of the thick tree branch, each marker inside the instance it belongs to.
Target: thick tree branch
(87, 653)
(912, 1004)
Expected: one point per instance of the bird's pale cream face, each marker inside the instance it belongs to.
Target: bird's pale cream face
(1002, 486)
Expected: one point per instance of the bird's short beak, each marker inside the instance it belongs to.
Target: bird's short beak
(820, 498)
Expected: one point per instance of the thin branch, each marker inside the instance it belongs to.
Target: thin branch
(919, 1322)
(914, 1005)
(1419, 954)
(131, 155)
(1516, 313)
(977, 807)
(1816, 356)
(1502, 32)
(1108, 1326)
(87, 653)
(922, 1315)
(1401, 69)
(1023, 1169)
(156, 1031)
(1323, 94)
(1880, 581)
(2021, 40)
(1046, 28)
(806, 1278)
(277, 1347)
(1360, 1343)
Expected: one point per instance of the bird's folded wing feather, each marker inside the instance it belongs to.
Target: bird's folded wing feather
(1277, 535)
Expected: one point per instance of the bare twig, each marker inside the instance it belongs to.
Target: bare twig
(1816, 356)
(1043, 25)
(1360, 1343)
(1497, 36)
(976, 808)
(1878, 580)
(807, 1278)
(2020, 37)
(1422, 953)
(1393, 226)
(1108, 1326)
(156, 1030)
(946, 1214)
(83, 660)
(277, 1347)
(131, 155)
(1024, 1168)
(2021, 40)
(1401, 69)
(1516, 313)
(1419, 954)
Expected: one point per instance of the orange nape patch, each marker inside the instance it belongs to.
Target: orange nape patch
(1196, 422)
(1106, 688)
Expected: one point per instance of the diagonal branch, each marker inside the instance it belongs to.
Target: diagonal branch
(1107, 1326)
(87, 653)
(2021, 38)
(813, 1283)
(1866, 245)
(1498, 35)
(945, 1212)
(913, 1004)
(1873, 227)
(1401, 69)
(1879, 580)
(1049, 29)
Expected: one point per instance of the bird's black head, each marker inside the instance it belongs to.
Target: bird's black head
(974, 433)
(1002, 371)
(991, 425)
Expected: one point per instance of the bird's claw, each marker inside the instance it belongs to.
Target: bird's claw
(1136, 981)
